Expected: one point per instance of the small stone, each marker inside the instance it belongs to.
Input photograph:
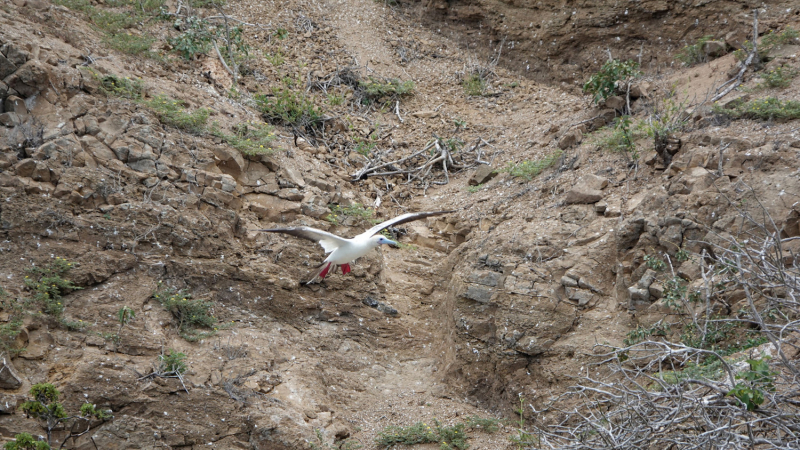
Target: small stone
(615, 102)
(714, 49)
(583, 195)
(25, 167)
(572, 138)
(478, 294)
(569, 281)
(482, 174)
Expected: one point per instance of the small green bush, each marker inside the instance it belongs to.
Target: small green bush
(173, 363)
(171, 112)
(196, 39)
(48, 285)
(757, 380)
(779, 77)
(474, 85)
(356, 211)
(190, 313)
(132, 89)
(621, 138)
(769, 108)
(24, 441)
(250, 138)
(604, 83)
(693, 54)
(421, 433)
(531, 169)
(376, 89)
(769, 42)
(287, 106)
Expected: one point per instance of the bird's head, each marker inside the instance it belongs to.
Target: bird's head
(379, 239)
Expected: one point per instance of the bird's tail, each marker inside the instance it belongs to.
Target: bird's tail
(321, 272)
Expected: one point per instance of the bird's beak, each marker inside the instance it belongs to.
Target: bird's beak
(392, 243)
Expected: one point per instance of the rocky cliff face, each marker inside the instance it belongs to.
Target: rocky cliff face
(504, 298)
(565, 41)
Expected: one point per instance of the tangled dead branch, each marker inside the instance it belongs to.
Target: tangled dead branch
(420, 165)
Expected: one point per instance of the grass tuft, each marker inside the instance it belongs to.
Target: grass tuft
(173, 113)
(530, 169)
(250, 138)
(769, 108)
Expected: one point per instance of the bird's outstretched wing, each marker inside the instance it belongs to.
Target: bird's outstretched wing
(407, 217)
(328, 241)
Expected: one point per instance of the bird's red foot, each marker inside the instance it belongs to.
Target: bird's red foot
(325, 271)
(345, 269)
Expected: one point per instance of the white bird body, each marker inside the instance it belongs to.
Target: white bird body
(343, 251)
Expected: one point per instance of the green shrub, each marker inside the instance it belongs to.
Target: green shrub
(356, 211)
(474, 85)
(530, 169)
(694, 54)
(621, 138)
(287, 106)
(365, 146)
(769, 108)
(757, 380)
(172, 363)
(250, 138)
(769, 42)
(196, 39)
(604, 83)
(132, 89)
(24, 441)
(48, 285)
(376, 89)
(46, 407)
(655, 263)
(171, 112)
(779, 77)
(190, 313)
(422, 433)
(474, 189)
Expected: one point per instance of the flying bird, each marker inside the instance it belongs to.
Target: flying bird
(343, 251)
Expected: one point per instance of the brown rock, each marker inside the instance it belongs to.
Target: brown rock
(736, 39)
(30, 79)
(714, 49)
(96, 149)
(25, 167)
(640, 89)
(482, 174)
(572, 138)
(15, 104)
(615, 102)
(583, 195)
(9, 379)
(10, 119)
(6, 67)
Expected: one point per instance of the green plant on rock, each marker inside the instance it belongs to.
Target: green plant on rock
(422, 433)
(756, 382)
(356, 210)
(769, 42)
(531, 169)
(287, 106)
(621, 138)
(377, 89)
(46, 407)
(171, 364)
(655, 263)
(197, 37)
(606, 81)
(769, 108)
(693, 54)
(780, 77)
(24, 441)
(48, 285)
(250, 138)
(124, 87)
(190, 313)
(173, 113)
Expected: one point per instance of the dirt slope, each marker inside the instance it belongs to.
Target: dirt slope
(502, 299)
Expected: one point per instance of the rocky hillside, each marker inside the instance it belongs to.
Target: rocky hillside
(144, 145)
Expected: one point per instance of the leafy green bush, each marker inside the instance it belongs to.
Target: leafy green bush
(694, 54)
(376, 89)
(132, 89)
(287, 106)
(422, 433)
(173, 363)
(46, 407)
(48, 285)
(769, 42)
(474, 85)
(655, 263)
(530, 169)
(756, 380)
(250, 138)
(196, 39)
(604, 83)
(172, 112)
(621, 138)
(190, 313)
(769, 108)
(779, 77)
(356, 211)
(24, 441)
